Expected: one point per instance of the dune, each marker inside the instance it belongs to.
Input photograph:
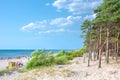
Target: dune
(77, 70)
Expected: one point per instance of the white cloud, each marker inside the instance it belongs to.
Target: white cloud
(34, 25)
(76, 6)
(70, 20)
(51, 31)
(60, 4)
(57, 31)
(47, 4)
(52, 26)
(27, 27)
(90, 17)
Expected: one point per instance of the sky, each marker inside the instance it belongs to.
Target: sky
(49, 24)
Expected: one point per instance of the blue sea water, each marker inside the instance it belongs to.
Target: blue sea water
(15, 53)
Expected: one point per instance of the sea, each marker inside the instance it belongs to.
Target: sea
(4, 54)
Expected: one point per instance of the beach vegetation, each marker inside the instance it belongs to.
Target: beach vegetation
(61, 60)
(5, 71)
(39, 59)
(44, 59)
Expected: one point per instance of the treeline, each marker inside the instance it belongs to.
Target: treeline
(43, 59)
(102, 34)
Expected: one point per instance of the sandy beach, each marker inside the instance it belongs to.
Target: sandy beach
(75, 71)
(4, 63)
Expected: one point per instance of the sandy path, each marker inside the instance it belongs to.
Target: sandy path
(82, 72)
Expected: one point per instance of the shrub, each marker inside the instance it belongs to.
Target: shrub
(49, 61)
(31, 64)
(41, 58)
(61, 53)
(61, 60)
(70, 57)
(35, 53)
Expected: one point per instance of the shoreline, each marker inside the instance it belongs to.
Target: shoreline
(16, 57)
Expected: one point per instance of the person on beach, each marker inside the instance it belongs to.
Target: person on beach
(17, 64)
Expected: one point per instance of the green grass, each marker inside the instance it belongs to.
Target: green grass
(5, 71)
(10, 70)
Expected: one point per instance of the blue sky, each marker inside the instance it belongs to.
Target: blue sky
(38, 24)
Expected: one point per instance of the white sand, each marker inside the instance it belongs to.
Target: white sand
(75, 71)
(4, 63)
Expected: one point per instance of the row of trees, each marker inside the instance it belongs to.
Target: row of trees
(102, 34)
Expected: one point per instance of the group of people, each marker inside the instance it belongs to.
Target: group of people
(15, 64)
(17, 57)
(19, 64)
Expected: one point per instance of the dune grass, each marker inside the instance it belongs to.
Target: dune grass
(42, 59)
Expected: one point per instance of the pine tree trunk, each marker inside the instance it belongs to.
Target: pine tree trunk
(98, 50)
(84, 56)
(107, 47)
(89, 52)
(99, 66)
(94, 52)
(116, 52)
(117, 47)
(94, 55)
(88, 55)
(88, 58)
(113, 52)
